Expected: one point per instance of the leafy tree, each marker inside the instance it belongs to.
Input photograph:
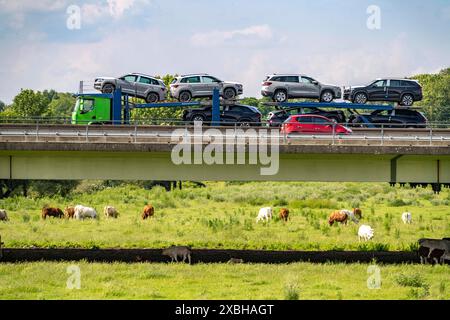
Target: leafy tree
(436, 95)
(2, 106)
(29, 104)
(61, 105)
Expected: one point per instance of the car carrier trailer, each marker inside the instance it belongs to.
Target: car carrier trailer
(115, 108)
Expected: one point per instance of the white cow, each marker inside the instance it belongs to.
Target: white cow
(264, 214)
(406, 217)
(3, 215)
(365, 232)
(82, 212)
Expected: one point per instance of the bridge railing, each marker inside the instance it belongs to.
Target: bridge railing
(224, 123)
(161, 130)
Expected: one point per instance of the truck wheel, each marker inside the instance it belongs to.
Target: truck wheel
(152, 98)
(360, 98)
(407, 100)
(229, 93)
(108, 88)
(185, 96)
(326, 96)
(280, 96)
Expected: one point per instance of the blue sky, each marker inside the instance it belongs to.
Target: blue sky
(240, 40)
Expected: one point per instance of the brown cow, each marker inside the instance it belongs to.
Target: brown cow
(70, 212)
(337, 216)
(52, 212)
(284, 214)
(357, 213)
(149, 211)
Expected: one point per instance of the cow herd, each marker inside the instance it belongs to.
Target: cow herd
(80, 212)
(365, 232)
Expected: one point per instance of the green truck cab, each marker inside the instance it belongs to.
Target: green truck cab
(92, 110)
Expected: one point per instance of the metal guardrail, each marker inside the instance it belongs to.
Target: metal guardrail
(142, 131)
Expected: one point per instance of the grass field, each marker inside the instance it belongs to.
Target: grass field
(222, 215)
(45, 280)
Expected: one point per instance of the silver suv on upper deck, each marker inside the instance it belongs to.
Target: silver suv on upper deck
(186, 87)
(137, 84)
(281, 87)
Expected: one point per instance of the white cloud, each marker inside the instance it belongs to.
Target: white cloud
(215, 38)
(116, 9)
(22, 6)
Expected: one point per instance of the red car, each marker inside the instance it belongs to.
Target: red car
(312, 124)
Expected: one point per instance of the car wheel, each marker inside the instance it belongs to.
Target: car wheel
(185, 96)
(326, 96)
(108, 88)
(360, 98)
(198, 118)
(152, 97)
(280, 96)
(229, 93)
(407, 100)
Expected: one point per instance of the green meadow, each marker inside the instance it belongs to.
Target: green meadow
(222, 215)
(46, 280)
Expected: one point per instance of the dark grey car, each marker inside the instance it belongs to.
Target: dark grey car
(403, 91)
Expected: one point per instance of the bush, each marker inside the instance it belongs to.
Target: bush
(414, 280)
(291, 292)
(398, 203)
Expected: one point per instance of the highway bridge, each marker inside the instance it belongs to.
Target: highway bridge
(144, 153)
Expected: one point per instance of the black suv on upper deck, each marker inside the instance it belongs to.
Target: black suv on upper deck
(229, 114)
(396, 118)
(276, 118)
(403, 91)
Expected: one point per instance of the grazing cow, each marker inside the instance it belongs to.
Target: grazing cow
(110, 212)
(365, 232)
(406, 217)
(264, 214)
(178, 251)
(445, 257)
(284, 214)
(82, 212)
(52, 212)
(436, 255)
(3, 215)
(433, 245)
(424, 252)
(357, 212)
(338, 216)
(69, 212)
(148, 212)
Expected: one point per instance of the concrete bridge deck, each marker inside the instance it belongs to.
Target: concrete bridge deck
(74, 152)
